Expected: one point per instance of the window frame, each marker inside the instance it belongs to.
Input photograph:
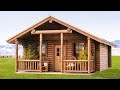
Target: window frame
(77, 48)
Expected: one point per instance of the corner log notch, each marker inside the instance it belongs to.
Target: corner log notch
(50, 31)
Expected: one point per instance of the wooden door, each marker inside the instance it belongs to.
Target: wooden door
(58, 57)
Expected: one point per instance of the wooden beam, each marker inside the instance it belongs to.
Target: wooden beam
(68, 29)
(61, 52)
(16, 43)
(89, 55)
(50, 31)
(33, 31)
(40, 52)
(50, 21)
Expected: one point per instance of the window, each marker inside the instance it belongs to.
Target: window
(44, 46)
(43, 49)
(78, 47)
(58, 52)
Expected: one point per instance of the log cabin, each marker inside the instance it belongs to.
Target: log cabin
(62, 48)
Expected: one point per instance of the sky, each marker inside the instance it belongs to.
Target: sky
(104, 24)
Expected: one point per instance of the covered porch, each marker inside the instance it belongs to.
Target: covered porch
(59, 44)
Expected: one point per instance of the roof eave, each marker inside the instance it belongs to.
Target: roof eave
(11, 40)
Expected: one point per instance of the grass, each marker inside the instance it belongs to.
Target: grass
(7, 71)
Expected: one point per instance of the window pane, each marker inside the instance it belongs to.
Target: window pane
(57, 54)
(43, 49)
(79, 47)
(57, 49)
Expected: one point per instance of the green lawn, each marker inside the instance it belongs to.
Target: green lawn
(7, 71)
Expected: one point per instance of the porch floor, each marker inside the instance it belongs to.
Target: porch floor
(22, 72)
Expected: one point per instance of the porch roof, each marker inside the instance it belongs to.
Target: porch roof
(12, 40)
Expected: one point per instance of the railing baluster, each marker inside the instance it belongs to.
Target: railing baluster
(75, 65)
(34, 65)
(80, 66)
(85, 66)
(63, 65)
(30, 65)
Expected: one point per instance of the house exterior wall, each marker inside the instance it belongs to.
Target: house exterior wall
(103, 57)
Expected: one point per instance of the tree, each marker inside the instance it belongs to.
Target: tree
(31, 52)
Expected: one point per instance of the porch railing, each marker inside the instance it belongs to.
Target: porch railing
(77, 65)
(68, 65)
(28, 65)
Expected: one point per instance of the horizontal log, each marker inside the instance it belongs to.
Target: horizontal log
(28, 60)
(76, 60)
(28, 70)
(50, 31)
(74, 71)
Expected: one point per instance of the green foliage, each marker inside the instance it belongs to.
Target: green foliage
(83, 55)
(31, 52)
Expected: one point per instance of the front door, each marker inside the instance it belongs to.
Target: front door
(58, 57)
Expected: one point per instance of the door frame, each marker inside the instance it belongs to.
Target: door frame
(53, 55)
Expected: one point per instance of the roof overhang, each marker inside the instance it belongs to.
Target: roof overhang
(51, 19)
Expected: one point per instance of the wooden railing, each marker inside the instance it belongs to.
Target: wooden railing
(68, 65)
(77, 65)
(28, 65)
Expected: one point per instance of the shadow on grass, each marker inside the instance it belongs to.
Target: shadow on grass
(109, 74)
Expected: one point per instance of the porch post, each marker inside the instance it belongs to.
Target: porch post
(89, 55)
(61, 52)
(16, 43)
(40, 52)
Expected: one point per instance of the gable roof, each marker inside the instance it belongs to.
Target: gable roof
(62, 23)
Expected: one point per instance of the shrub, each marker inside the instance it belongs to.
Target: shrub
(83, 55)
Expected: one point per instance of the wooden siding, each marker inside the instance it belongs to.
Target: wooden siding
(49, 55)
(103, 57)
(69, 50)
